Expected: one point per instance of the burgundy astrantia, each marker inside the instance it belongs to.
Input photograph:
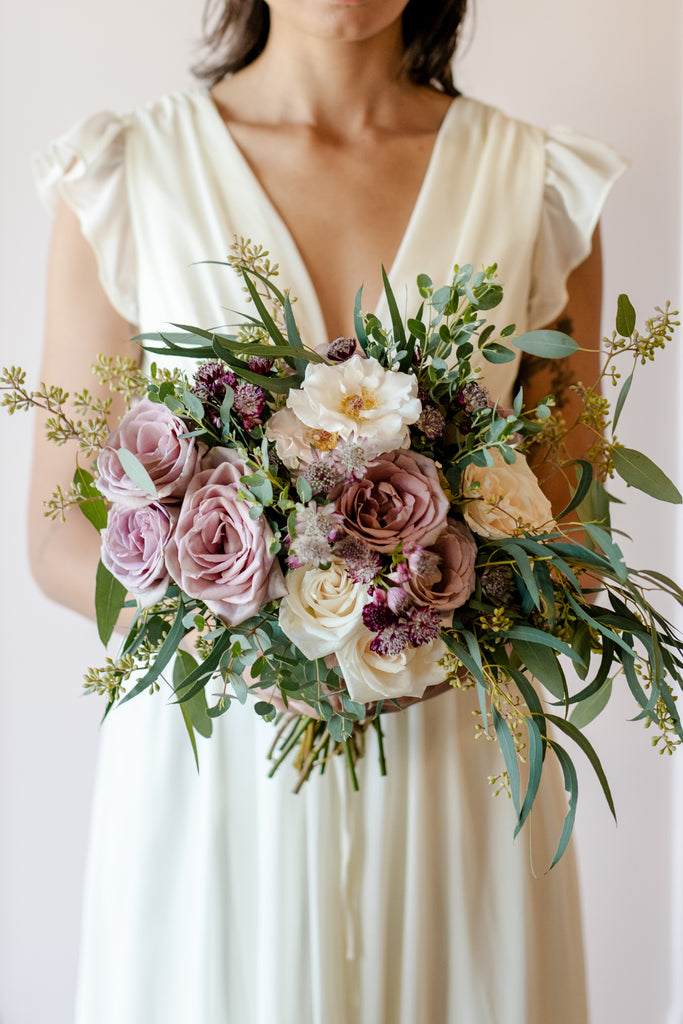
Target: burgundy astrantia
(211, 382)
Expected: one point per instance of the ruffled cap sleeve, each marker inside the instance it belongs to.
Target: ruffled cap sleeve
(87, 167)
(579, 175)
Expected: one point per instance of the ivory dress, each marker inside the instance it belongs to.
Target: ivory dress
(221, 897)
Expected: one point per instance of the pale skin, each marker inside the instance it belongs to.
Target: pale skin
(328, 98)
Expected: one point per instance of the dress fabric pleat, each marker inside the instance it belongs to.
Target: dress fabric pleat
(220, 897)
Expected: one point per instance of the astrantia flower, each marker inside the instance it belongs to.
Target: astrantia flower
(377, 615)
(431, 422)
(211, 381)
(358, 397)
(316, 530)
(249, 403)
(341, 349)
(352, 458)
(360, 561)
(424, 626)
(258, 364)
(496, 584)
(391, 641)
(321, 475)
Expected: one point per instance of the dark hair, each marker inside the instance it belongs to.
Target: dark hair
(236, 31)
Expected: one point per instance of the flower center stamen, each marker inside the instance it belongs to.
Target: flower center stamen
(355, 405)
(324, 441)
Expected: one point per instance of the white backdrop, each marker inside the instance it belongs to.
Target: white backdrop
(598, 65)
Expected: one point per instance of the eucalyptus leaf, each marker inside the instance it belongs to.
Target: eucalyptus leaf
(547, 344)
(639, 471)
(507, 746)
(495, 353)
(571, 785)
(588, 709)
(94, 508)
(134, 469)
(623, 395)
(626, 317)
(543, 664)
(110, 596)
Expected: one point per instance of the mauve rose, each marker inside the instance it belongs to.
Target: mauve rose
(152, 433)
(218, 553)
(453, 579)
(133, 550)
(399, 499)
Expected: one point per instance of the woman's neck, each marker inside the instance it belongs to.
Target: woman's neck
(336, 86)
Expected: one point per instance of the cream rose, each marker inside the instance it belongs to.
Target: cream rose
(321, 609)
(294, 440)
(370, 676)
(502, 501)
(358, 397)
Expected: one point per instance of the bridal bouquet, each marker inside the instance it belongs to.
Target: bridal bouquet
(333, 531)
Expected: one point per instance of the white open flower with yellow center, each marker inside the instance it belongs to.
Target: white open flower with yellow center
(358, 397)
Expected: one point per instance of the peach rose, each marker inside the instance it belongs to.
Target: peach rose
(504, 500)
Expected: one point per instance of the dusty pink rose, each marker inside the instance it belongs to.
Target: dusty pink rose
(218, 553)
(452, 581)
(399, 499)
(152, 433)
(133, 550)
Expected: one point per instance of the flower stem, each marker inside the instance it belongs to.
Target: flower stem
(350, 765)
(380, 742)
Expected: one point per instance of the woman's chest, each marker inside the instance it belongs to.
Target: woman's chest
(346, 207)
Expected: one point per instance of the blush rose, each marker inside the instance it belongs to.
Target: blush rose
(153, 434)
(218, 553)
(399, 499)
(133, 546)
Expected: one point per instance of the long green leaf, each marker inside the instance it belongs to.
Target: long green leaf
(571, 785)
(543, 664)
(536, 751)
(110, 596)
(623, 395)
(166, 652)
(93, 508)
(507, 746)
(396, 321)
(267, 320)
(611, 550)
(578, 737)
(639, 471)
(591, 707)
(582, 487)
(537, 636)
(526, 571)
(196, 680)
(358, 320)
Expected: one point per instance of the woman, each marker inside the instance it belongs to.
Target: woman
(338, 146)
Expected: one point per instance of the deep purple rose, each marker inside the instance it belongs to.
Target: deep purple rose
(133, 547)
(218, 553)
(153, 434)
(399, 499)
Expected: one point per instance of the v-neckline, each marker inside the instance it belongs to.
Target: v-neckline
(380, 306)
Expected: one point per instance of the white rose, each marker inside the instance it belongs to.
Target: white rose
(370, 676)
(321, 609)
(358, 397)
(503, 500)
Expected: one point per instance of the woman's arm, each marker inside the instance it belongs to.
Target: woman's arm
(80, 323)
(541, 377)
